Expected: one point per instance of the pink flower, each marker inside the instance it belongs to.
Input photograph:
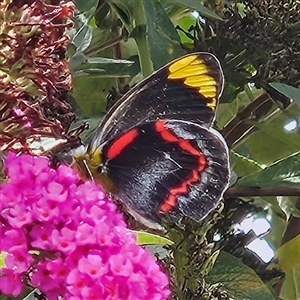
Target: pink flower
(86, 234)
(67, 239)
(120, 265)
(11, 238)
(18, 260)
(19, 216)
(40, 236)
(45, 210)
(92, 265)
(64, 240)
(7, 277)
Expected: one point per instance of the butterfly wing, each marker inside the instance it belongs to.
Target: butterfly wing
(156, 151)
(187, 88)
(168, 167)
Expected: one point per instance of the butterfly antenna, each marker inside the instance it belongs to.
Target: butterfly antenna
(88, 170)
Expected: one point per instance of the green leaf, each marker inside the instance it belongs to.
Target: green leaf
(124, 10)
(83, 38)
(185, 23)
(242, 165)
(288, 206)
(87, 72)
(2, 256)
(90, 94)
(288, 254)
(265, 148)
(76, 61)
(146, 238)
(282, 136)
(196, 5)
(106, 67)
(239, 280)
(285, 172)
(241, 7)
(163, 39)
(278, 222)
(287, 90)
(85, 5)
(227, 111)
(104, 60)
(96, 73)
(291, 286)
(271, 142)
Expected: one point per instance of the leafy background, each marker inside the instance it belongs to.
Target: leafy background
(116, 43)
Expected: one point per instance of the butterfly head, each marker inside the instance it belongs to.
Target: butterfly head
(90, 167)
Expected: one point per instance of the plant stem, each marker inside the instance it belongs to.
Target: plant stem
(238, 128)
(242, 191)
(140, 37)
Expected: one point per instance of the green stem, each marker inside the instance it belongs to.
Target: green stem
(140, 37)
(179, 253)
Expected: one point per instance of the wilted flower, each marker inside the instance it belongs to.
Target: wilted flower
(66, 238)
(34, 75)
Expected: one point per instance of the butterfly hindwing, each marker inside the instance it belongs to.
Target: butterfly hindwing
(186, 89)
(168, 167)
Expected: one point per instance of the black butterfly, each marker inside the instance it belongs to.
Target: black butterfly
(156, 150)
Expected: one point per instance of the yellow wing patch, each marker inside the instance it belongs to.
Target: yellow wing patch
(195, 73)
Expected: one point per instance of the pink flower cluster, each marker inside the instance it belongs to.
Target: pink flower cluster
(66, 238)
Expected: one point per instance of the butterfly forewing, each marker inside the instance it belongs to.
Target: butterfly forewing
(185, 89)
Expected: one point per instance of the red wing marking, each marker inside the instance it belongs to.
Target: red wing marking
(186, 145)
(121, 143)
(165, 134)
(170, 201)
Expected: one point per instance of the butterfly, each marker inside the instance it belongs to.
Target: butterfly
(156, 149)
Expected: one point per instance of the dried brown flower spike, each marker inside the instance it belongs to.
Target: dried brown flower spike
(34, 74)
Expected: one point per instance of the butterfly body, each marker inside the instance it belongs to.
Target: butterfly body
(156, 150)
